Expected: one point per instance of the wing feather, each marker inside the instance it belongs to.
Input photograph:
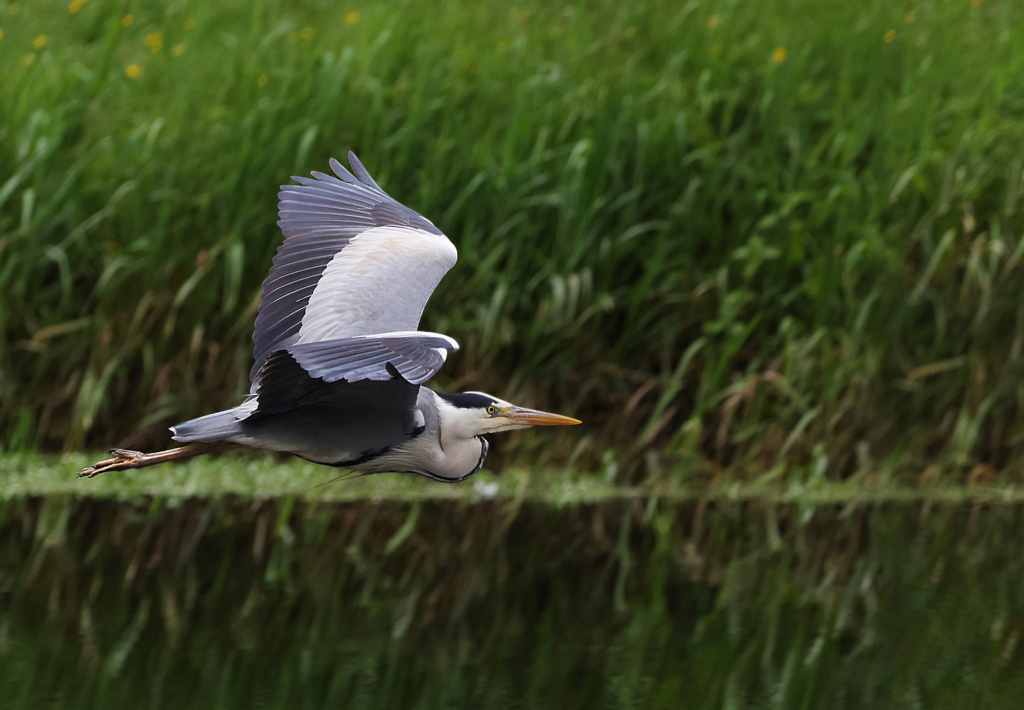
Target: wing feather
(354, 262)
(416, 357)
(291, 376)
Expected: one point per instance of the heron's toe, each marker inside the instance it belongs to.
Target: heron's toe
(96, 469)
(123, 459)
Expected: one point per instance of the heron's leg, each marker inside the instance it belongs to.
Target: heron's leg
(124, 459)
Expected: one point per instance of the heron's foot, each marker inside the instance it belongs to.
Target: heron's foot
(123, 459)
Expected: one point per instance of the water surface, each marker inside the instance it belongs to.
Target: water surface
(446, 604)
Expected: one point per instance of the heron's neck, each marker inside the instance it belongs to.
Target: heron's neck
(463, 458)
(462, 450)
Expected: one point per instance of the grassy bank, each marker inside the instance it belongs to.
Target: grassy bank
(733, 236)
(261, 477)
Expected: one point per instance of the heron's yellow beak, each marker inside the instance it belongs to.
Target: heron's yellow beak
(532, 417)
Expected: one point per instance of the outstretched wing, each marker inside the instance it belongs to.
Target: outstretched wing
(354, 262)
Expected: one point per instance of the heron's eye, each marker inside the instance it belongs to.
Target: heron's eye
(491, 409)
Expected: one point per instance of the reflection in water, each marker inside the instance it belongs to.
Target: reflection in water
(232, 603)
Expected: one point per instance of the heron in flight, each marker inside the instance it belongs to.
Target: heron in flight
(339, 363)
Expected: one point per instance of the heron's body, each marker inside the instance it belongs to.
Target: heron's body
(338, 361)
(360, 426)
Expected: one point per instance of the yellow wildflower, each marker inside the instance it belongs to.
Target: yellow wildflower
(132, 70)
(779, 55)
(39, 42)
(889, 36)
(910, 16)
(976, 3)
(1, 34)
(178, 50)
(306, 33)
(75, 5)
(262, 80)
(713, 22)
(189, 24)
(523, 16)
(127, 20)
(155, 41)
(351, 17)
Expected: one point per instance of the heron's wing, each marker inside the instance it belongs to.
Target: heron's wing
(299, 373)
(416, 357)
(339, 423)
(353, 262)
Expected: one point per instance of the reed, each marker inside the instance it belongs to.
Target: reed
(762, 237)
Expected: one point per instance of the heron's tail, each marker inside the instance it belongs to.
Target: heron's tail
(212, 427)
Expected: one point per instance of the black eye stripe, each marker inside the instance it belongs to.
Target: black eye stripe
(467, 400)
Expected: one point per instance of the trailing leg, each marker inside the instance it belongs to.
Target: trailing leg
(124, 459)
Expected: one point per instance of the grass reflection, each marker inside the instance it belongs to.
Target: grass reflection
(432, 604)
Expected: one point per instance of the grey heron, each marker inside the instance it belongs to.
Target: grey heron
(339, 363)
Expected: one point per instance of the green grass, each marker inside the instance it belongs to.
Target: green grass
(261, 476)
(719, 261)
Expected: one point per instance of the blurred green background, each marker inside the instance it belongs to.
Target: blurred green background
(776, 236)
(771, 253)
(281, 604)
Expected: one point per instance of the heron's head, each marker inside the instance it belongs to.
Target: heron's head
(475, 413)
